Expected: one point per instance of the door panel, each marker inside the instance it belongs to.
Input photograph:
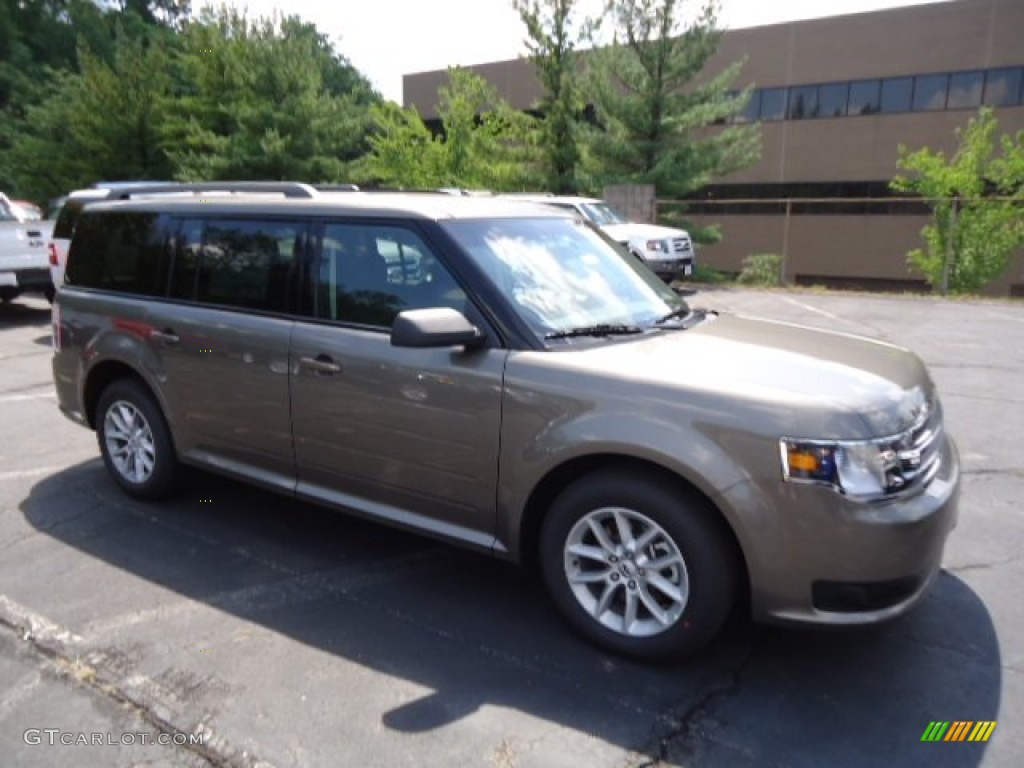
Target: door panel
(414, 429)
(227, 388)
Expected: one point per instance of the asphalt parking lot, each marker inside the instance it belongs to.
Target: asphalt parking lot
(287, 635)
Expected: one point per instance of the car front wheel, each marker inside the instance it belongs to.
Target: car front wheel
(638, 565)
(135, 441)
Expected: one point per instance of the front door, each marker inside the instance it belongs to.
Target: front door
(408, 435)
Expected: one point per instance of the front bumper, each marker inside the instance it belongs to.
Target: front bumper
(817, 557)
(671, 269)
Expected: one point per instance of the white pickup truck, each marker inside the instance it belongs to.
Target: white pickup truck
(24, 258)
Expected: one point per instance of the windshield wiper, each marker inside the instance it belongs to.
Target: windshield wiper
(690, 317)
(682, 311)
(605, 329)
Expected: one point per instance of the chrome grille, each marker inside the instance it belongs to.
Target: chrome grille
(681, 244)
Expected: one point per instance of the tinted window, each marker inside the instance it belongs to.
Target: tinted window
(1003, 87)
(69, 213)
(832, 99)
(930, 92)
(238, 262)
(367, 274)
(124, 252)
(865, 97)
(896, 94)
(803, 102)
(965, 90)
(773, 103)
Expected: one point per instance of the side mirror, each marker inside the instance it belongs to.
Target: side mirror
(436, 327)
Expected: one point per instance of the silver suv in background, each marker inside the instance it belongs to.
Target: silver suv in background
(503, 377)
(668, 251)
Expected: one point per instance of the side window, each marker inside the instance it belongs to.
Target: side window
(65, 223)
(123, 252)
(238, 262)
(369, 273)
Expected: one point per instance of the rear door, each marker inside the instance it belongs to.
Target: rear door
(222, 338)
(408, 435)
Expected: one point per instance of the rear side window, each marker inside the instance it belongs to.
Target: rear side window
(120, 251)
(69, 213)
(245, 263)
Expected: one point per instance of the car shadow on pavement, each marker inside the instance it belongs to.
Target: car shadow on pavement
(476, 632)
(15, 314)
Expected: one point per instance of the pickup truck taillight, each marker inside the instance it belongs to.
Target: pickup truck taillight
(54, 257)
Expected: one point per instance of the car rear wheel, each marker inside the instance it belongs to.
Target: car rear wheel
(637, 565)
(135, 441)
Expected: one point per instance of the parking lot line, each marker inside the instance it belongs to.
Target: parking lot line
(49, 394)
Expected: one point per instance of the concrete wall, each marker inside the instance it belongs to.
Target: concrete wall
(867, 251)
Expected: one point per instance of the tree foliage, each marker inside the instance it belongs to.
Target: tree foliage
(149, 92)
(265, 99)
(977, 200)
(103, 122)
(483, 144)
(553, 38)
(660, 118)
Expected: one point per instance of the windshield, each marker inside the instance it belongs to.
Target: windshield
(603, 214)
(562, 275)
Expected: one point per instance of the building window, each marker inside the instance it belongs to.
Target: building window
(832, 99)
(1003, 87)
(896, 93)
(803, 102)
(773, 103)
(751, 110)
(930, 92)
(965, 90)
(865, 97)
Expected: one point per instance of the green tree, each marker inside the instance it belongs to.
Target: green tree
(976, 198)
(265, 99)
(102, 123)
(484, 143)
(552, 40)
(660, 118)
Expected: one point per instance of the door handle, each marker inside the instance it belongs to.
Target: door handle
(320, 364)
(166, 336)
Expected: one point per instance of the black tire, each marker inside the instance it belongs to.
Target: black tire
(130, 396)
(709, 572)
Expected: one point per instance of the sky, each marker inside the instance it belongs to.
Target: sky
(386, 39)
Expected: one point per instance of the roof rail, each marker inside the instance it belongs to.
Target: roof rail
(286, 188)
(336, 187)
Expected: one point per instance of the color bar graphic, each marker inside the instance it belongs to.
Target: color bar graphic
(959, 730)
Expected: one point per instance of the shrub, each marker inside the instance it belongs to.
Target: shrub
(761, 269)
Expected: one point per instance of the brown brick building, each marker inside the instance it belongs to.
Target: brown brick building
(835, 98)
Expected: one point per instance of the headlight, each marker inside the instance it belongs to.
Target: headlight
(656, 245)
(867, 469)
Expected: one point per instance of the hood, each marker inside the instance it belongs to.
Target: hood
(621, 232)
(809, 383)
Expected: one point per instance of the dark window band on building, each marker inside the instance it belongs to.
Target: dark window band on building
(803, 198)
(931, 92)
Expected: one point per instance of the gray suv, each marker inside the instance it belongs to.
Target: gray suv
(502, 376)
